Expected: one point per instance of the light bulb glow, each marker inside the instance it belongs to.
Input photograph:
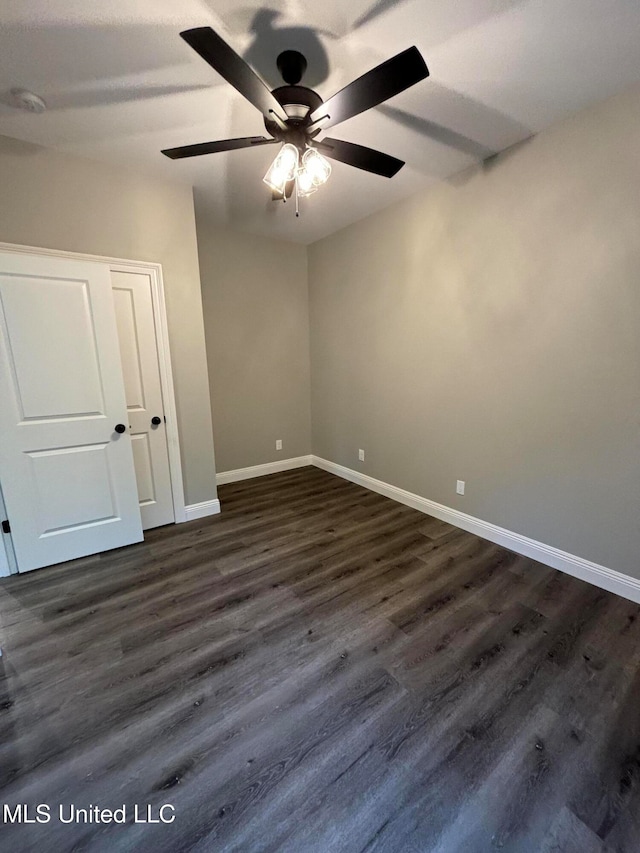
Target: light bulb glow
(305, 182)
(283, 168)
(316, 166)
(309, 171)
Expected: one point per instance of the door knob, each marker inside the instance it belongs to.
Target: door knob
(120, 428)
(155, 420)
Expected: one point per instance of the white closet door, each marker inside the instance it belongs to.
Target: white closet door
(143, 390)
(67, 475)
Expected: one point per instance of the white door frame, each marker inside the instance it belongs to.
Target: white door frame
(164, 359)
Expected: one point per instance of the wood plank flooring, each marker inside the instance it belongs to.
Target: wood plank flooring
(319, 670)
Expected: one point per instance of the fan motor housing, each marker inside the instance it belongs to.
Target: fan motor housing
(298, 103)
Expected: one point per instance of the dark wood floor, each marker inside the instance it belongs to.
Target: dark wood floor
(320, 669)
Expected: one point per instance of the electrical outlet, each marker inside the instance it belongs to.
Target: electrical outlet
(460, 487)
(278, 444)
(361, 455)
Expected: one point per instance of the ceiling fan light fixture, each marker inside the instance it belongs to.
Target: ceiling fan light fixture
(304, 183)
(316, 167)
(283, 169)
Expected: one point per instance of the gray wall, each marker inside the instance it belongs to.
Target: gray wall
(52, 200)
(255, 298)
(489, 330)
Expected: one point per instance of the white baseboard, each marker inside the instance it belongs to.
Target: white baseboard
(193, 511)
(262, 470)
(593, 573)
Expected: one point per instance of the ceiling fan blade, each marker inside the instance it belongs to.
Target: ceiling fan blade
(378, 85)
(214, 147)
(360, 157)
(234, 69)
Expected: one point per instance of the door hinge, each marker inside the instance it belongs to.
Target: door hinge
(6, 527)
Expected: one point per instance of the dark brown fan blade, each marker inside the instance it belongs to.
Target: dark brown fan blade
(378, 85)
(214, 147)
(234, 69)
(360, 157)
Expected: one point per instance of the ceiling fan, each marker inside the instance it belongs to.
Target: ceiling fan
(294, 115)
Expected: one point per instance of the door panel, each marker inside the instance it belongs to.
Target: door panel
(55, 374)
(68, 479)
(59, 510)
(144, 469)
(129, 346)
(139, 352)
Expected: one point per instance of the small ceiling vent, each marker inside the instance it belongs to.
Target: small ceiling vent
(22, 99)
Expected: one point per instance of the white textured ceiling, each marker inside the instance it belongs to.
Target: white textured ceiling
(121, 85)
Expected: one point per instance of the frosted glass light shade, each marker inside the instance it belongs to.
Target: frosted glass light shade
(316, 166)
(283, 168)
(305, 182)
